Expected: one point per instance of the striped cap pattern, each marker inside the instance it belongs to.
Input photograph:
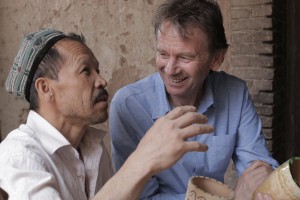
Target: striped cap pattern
(31, 52)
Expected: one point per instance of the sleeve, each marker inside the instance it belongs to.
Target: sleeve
(250, 144)
(26, 178)
(123, 138)
(128, 122)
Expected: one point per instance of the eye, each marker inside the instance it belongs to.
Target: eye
(98, 71)
(86, 71)
(163, 55)
(185, 59)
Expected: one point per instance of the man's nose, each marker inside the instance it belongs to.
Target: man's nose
(100, 81)
(171, 66)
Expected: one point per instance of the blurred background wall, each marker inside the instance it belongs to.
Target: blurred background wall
(118, 31)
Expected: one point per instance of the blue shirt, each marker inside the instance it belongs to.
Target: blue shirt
(227, 104)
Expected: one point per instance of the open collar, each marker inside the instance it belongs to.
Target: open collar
(52, 139)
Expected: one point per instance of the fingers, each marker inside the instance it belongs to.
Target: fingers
(179, 111)
(185, 115)
(256, 164)
(196, 129)
(195, 146)
(261, 196)
(252, 177)
(257, 172)
(190, 122)
(190, 118)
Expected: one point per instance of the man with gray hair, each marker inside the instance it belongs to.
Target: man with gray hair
(190, 47)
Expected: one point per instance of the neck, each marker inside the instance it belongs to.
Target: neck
(72, 131)
(176, 101)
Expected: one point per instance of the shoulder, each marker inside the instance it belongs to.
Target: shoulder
(18, 140)
(140, 89)
(223, 81)
(221, 76)
(21, 148)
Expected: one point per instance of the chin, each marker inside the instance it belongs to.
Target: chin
(97, 121)
(103, 117)
(102, 120)
(177, 93)
(98, 118)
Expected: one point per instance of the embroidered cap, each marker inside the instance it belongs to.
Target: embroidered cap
(33, 48)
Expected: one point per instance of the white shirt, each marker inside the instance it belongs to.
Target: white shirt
(38, 162)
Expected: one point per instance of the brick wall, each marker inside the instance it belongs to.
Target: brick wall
(257, 57)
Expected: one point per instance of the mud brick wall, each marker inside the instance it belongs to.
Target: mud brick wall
(257, 56)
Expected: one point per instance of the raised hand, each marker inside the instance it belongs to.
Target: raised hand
(164, 144)
(166, 141)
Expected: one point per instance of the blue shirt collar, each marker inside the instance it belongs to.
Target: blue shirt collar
(208, 96)
(162, 104)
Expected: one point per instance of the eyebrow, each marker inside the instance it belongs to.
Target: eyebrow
(188, 54)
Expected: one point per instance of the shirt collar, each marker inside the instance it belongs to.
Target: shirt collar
(52, 139)
(208, 97)
(91, 147)
(49, 136)
(92, 137)
(162, 105)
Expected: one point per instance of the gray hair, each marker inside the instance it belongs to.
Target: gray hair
(204, 14)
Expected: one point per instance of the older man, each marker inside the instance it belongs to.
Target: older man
(190, 47)
(56, 154)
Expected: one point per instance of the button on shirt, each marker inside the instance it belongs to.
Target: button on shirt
(37, 162)
(228, 106)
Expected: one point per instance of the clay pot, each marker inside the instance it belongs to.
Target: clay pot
(201, 188)
(283, 183)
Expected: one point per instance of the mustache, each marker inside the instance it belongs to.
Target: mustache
(102, 95)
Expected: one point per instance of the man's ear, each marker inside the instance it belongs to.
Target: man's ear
(218, 59)
(43, 88)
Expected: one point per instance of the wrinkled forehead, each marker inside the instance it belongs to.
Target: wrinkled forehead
(75, 51)
(186, 31)
(192, 35)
